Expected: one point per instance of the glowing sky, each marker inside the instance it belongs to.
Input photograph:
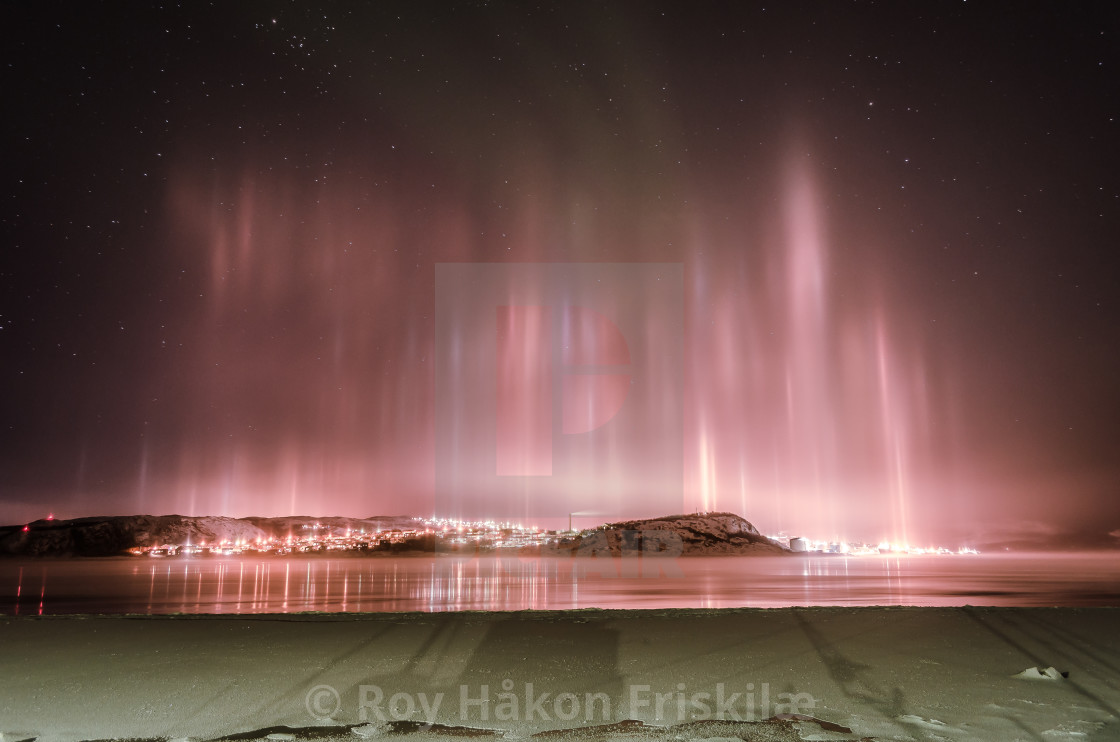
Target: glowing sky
(896, 227)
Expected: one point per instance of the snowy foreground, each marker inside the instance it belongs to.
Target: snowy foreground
(782, 674)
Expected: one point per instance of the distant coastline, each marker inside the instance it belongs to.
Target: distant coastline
(178, 535)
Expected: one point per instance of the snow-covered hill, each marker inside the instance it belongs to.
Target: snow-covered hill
(695, 534)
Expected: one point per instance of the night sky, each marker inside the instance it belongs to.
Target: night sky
(897, 226)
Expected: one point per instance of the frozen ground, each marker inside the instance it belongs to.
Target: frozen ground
(882, 673)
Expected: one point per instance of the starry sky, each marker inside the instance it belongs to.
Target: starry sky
(896, 225)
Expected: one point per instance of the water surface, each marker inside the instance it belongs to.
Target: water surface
(238, 585)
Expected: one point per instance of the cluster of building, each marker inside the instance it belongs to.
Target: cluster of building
(801, 544)
(425, 534)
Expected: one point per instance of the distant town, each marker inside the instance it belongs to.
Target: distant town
(803, 545)
(457, 536)
(425, 534)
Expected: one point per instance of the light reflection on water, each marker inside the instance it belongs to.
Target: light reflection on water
(450, 583)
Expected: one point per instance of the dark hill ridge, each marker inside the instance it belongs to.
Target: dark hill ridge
(689, 535)
(111, 535)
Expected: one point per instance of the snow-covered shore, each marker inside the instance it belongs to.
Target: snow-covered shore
(883, 673)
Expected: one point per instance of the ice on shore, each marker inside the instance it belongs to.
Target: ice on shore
(883, 673)
(1038, 673)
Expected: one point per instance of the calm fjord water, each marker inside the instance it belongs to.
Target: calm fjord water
(143, 585)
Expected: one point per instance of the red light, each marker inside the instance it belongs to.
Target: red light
(26, 529)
